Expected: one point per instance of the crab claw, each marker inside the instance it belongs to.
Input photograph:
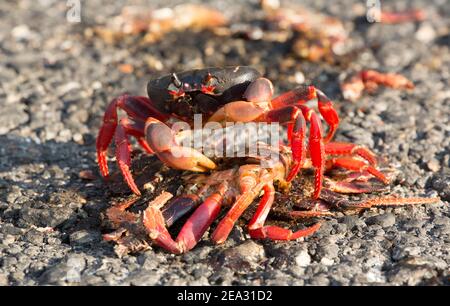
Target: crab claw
(161, 140)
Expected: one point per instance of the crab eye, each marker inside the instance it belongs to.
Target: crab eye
(176, 81)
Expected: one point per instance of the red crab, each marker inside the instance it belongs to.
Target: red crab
(236, 188)
(157, 23)
(232, 94)
(353, 87)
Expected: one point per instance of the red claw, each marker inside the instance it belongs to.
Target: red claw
(317, 153)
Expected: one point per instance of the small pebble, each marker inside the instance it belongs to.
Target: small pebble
(303, 259)
(384, 220)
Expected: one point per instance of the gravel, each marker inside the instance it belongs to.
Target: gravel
(55, 84)
(384, 220)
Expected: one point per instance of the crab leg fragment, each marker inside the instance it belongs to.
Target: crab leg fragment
(393, 201)
(402, 17)
(191, 232)
(350, 163)
(353, 87)
(256, 226)
(343, 148)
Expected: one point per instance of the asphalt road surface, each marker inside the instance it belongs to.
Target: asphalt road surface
(56, 81)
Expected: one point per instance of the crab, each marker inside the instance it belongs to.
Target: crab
(235, 188)
(317, 37)
(135, 20)
(223, 95)
(353, 87)
(413, 15)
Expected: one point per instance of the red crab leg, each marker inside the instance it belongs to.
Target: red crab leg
(136, 107)
(296, 96)
(123, 150)
(298, 145)
(296, 134)
(136, 129)
(317, 152)
(342, 148)
(350, 163)
(105, 136)
(407, 16)
(316, 145)
(123, 156)
(191, 232)
(328, 113)
(370, 80)
(256, 226)
(249, 191)
(353, 187)
(145, 145)
(303, 94)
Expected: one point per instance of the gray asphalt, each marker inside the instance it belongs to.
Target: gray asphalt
(55, 82)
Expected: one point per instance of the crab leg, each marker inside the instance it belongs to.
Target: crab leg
(105, 136)
(301, 95)
(256, 226)
(343, 148)
(250, 189)
(123, 156)
(392, 201)
(370, 80)
(316, 143)
(296, 134)
(191, 232)
(136, 107)
(136, 128)
(350, 163)
(353, 186)
(317, 152)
